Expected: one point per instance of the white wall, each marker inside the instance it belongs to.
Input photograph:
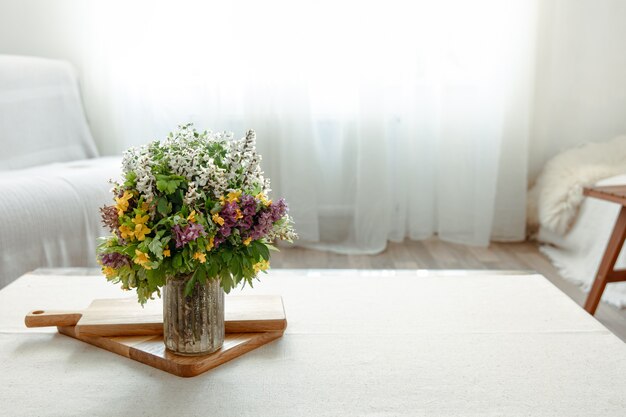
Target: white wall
(580, 90)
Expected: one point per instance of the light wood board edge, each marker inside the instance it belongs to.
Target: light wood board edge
(183, 366)
(50, 318)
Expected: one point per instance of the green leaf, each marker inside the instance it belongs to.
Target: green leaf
(246, 263)
(235, 266)
(200, 275)
(253, 252)
(130, 250)
(177, 262)
(162, 185)
(131, 179)
(163, 206)
(153, 280)
(189, 285)
(156, 247)
(226, 281)
(227, 255)
(172, 186)
(216, 207)
(168, 183)
(212, 269)
(263, 250)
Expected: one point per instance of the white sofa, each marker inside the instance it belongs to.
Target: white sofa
(52, 181)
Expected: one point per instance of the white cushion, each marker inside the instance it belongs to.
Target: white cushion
(41, 114)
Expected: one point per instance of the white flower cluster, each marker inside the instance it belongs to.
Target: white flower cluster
(213, 163)
(245, 164)
(283, 231)
(137, 160)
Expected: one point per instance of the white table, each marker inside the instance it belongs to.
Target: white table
(359, 343)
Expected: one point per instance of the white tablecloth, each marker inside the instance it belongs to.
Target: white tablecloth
(364, 343)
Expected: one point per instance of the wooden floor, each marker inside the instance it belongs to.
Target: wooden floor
(435, 254)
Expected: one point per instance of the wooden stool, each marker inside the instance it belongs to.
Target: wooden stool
(606, 273)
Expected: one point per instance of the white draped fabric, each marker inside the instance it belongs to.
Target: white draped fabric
(377, 120)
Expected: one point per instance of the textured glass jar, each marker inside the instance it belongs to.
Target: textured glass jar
(193, 325)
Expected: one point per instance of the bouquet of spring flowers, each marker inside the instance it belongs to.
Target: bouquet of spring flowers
(195, 205)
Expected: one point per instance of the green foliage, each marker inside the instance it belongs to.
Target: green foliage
(164, 207)
(130, 179)
(262, 249)
(168, 184)
(156, 247)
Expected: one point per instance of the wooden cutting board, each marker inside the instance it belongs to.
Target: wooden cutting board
(125, 317)
(150, 350)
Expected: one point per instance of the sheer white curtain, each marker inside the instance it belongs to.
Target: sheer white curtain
(377, 121)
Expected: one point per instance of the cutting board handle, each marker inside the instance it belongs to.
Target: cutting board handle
(45, 318)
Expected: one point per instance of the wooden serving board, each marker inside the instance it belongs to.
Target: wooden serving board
(125, 317)
(150, 350)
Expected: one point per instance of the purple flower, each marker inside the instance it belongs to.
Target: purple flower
(114, 260)
(246, 222)
(248, 205)
(191, 232)
(229, 213)
(278, 209)
(225, 230)
(263, 226)
(218, 241)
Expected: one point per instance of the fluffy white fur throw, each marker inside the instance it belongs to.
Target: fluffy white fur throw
(554, 200)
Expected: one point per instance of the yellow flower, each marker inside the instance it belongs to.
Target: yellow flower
(192, 216)
(233, 196)
(261, 197)
(211, 243)
(166, 252)
(122, 202)
(145, 206)
(109, 272)
(141, 258)
(217, 219)
(247, 241)
(126, 232)
(139, 219)
(238, 214)
(141, 230)
(200, 257)
(261, 266)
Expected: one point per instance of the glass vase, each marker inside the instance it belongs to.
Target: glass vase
(193, 324)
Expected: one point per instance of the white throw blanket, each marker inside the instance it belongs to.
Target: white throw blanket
(577, 229)
(554, 200)
(50, 214)
(577, 254)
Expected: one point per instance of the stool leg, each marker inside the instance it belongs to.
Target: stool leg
(595, 294)
(611, 253)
